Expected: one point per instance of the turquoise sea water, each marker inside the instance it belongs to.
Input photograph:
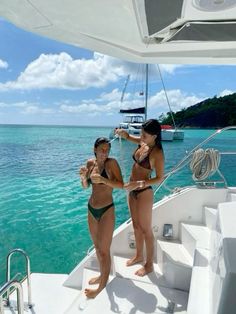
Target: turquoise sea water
(43, 208)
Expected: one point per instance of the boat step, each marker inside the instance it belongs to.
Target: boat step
(193, 236)
(121, 270)
(48, 294)
(209, 215)
(232, 197)
(200, 290)
(132, 296)
(175, 263)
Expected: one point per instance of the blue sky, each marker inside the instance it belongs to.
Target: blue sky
(46, 82)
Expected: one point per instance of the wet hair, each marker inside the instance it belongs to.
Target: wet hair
(153, 127)
(101, 140)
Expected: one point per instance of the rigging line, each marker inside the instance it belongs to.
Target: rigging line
(146, 91)
(124, 89)
(121, 153)
(122, 159)
(167, 99)
(135, 81)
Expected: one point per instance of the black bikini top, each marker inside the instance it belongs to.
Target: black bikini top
(145, 162)
(103, 174)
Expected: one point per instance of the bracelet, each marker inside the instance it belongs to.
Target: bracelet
(141, 184)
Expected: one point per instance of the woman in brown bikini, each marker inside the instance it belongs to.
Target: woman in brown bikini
(104, 174)
(147, 157)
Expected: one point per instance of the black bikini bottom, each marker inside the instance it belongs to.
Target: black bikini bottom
(135, 193)
(98, 212)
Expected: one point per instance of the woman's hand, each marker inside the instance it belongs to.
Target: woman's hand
(83, 172)
(97, 178)
(133, 185)
(122, 133)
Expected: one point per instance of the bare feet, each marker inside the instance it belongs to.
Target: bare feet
(91, 293)
(134, 260)
(94, 281)
(146, 269)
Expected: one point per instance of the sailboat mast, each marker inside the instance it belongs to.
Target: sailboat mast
(146, 92)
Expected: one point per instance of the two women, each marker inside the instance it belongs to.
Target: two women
(147, 157)
(104, 174)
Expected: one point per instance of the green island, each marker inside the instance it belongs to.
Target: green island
(216, 112)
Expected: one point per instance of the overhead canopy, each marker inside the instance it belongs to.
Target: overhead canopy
(148, 31)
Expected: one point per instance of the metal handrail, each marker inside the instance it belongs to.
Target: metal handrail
(28, 273)
(90, 249)
(182, 161)
(20, 301)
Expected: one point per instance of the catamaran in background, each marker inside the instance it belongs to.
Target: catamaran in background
(135, 117)
(194, 227)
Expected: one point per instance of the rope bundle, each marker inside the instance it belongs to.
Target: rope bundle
(204, 163)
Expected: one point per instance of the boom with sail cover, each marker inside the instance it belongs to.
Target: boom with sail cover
(140, 110)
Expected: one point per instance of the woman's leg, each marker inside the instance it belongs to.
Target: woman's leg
(93, 228)
(139, 239)
(104, 238)
(144, 212)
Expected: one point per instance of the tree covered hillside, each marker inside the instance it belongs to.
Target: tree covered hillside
(210, 113)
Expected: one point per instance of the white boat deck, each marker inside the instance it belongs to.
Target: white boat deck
(183, 281)
(49, 296)
(133, 296)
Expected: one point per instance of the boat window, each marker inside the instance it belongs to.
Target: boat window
(208, 31)
(161, 13)
(137, 119)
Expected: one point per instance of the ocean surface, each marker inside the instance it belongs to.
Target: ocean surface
(43, 208)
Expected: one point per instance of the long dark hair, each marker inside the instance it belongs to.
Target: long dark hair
(153, 127)
(101, 140)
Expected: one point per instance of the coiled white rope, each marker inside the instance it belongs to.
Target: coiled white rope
(204, 163)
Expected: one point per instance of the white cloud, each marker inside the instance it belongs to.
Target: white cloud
(109, 104)
(3, 64)
(12, 105)
(177, 100)
(27, 108)
(169, 68)
(61, 71)
(105, 107)
(35, 110)
(3, 105)
(115, 94)
(225, 93)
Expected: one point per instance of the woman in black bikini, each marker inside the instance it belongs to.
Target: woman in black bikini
(147, 157)
(104, 174)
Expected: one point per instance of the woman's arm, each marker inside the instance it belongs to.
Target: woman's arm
(83, 172)
(124, 134)
(157, 160)
(116, 180)
(115, 177)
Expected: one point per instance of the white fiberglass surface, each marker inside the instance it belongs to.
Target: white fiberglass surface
(214, 5)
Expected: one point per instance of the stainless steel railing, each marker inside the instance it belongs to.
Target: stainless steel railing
(90, 249)
(187, 158)
(28, 274)
(5, 289)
